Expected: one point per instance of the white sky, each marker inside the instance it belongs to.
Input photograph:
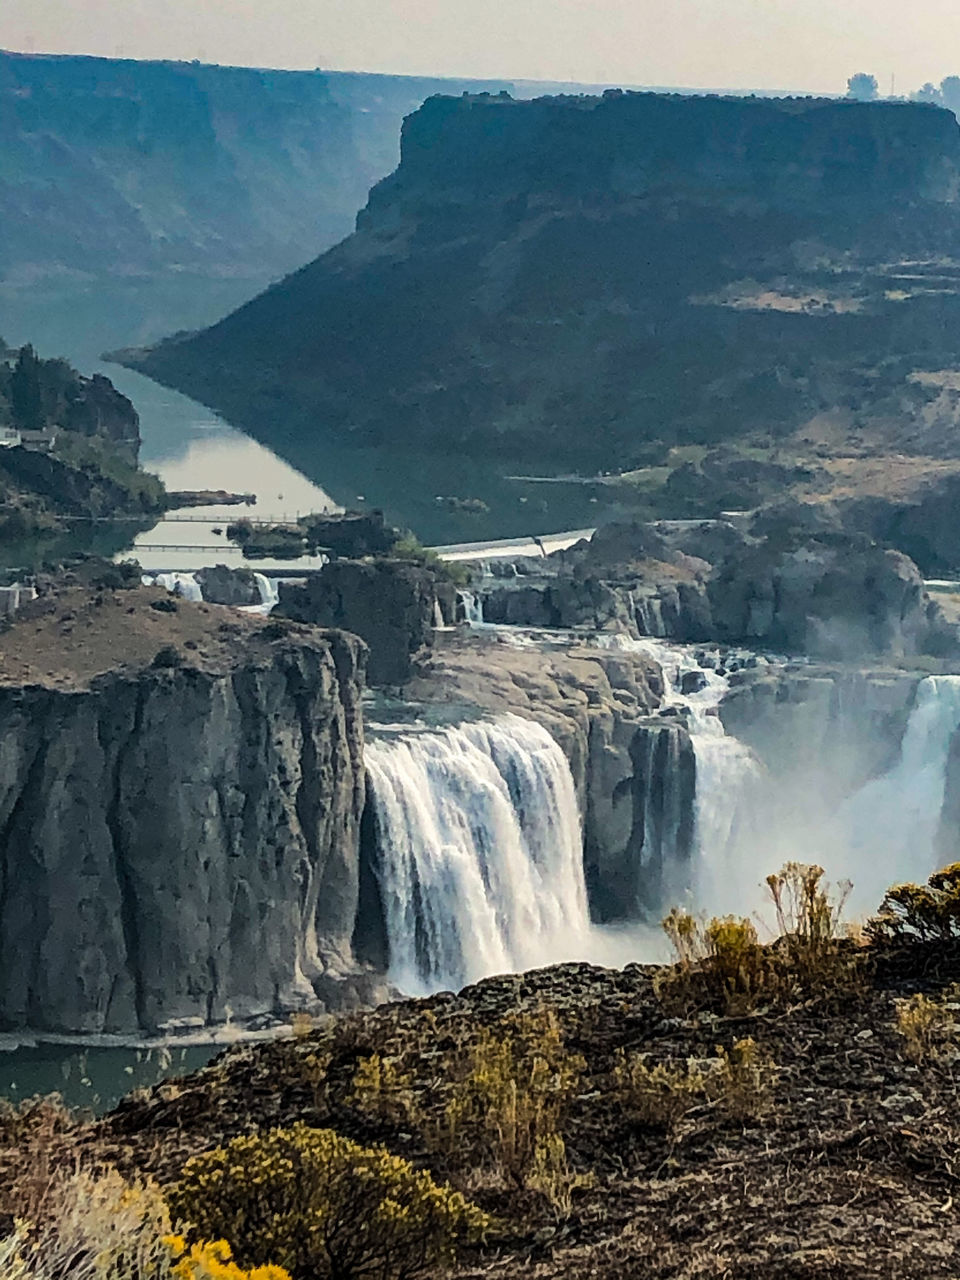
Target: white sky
(802, 44)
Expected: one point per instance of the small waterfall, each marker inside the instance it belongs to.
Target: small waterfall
(887, 831)
(728, 779)
(184, 585)
(269, 592)
(480, 854)
(438, 622)
(472, 606)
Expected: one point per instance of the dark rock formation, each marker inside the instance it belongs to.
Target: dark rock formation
(831, 598)
(390, 603)
(352, 534)
(62, 489)
(223, 585)
(96, 408)
(728, 266)
(816, 591)
(179, 842)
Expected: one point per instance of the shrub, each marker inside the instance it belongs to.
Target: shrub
(409, 547)
(380, 1088)
(718, 962)
(722, 962)
(738, 1080)
(324, 1207)
(505, 1115)
(927, 1025)
(744, 1079)
(95, 1226)
(43, 1134)
(213, 1260)
(658, 1096)
(920, 913)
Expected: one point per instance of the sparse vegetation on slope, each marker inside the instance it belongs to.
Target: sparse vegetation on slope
(597, 1129)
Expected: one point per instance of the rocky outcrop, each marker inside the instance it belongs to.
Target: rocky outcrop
(179, 839)
(351, 534)
(829, 597)
(730, 266)
(94, 407)
(820, 730)
(391, 604)
(222, 585)
(633, 770)
(818, 591)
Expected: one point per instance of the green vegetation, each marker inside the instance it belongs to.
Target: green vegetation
(929, 1026)
(913, 913)
(98, 460)
(324, 1206)
(409, 547)
(722, 963)
(71, 454)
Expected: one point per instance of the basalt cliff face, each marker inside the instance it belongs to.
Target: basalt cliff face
(116, 169)
(179, 835)
(577, 277)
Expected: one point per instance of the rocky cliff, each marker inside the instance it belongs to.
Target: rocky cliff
(817, 592)
(111, 168)
(179, 834)
(577, 277)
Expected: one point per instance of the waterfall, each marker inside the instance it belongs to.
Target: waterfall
(472, 605)
(180, 584)
(269, 593)
(887, 831)
(728, 779)
(480, 860)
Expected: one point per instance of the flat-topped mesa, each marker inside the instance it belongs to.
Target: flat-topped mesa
(480, 148)
(179, 833)
(577, 278)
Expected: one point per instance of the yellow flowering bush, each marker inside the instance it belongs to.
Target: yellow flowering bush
(213, 1260)
(323, 1207)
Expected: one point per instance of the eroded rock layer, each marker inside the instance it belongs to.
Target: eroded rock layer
(179, 838)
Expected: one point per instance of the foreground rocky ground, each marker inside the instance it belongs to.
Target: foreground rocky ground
(841, 1159)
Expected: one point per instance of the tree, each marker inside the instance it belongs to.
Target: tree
(929, 93)
(950, 93)
(26, 404)
(863, 87)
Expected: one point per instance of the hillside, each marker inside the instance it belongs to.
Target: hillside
(120, 169)
(596, 277)
(69, 450)
(606, 1124)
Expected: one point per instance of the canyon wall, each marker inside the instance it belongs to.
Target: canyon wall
(575, 278)
(111, 168)
(179, 842)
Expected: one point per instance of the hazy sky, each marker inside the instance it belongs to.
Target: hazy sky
(804, 44)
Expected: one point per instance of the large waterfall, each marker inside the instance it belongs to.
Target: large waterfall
(480, 852)
(479, 847)
(887, 831)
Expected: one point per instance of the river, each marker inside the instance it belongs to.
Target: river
(190, 447)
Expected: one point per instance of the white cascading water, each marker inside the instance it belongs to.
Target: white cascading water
(472, 605)
(179, 584)
(480, 852)
(729, 775)
(887, 831)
